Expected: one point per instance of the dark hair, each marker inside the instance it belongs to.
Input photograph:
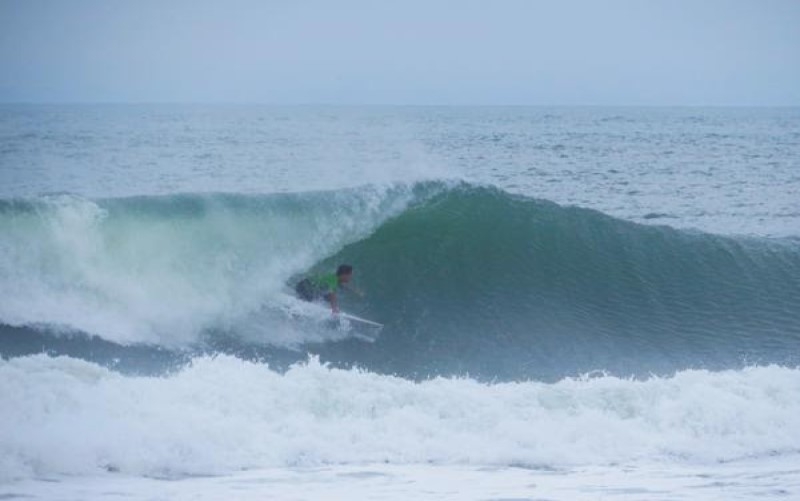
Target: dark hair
(344, 269)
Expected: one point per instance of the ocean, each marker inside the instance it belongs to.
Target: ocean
(578, 302)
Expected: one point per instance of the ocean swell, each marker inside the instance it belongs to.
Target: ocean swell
(468, 280)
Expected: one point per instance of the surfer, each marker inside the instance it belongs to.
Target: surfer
(325, 286)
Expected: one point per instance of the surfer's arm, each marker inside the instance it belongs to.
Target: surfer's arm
(353, 289)
(331, 297)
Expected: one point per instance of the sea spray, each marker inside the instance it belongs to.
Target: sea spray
(161, 270)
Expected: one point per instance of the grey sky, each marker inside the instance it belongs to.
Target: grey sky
(679, 52)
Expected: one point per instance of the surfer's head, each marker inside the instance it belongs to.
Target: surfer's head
(344, 273)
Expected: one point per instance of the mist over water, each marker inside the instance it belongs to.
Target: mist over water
(160, 270)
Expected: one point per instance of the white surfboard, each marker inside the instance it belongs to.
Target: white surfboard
(345, 323)
(359, 328)
(360, 320)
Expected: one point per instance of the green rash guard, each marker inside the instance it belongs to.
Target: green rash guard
(326, 284)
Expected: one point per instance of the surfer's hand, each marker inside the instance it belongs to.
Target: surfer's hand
(358, 292)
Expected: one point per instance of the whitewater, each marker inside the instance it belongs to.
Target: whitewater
(579, 303)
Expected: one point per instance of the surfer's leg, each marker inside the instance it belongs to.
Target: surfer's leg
(305, 290)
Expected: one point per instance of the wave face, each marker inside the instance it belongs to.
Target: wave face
(488, 283)
(467, 279)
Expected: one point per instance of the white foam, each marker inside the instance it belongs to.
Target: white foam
(66, 416)
(762, 478)
(143, 276)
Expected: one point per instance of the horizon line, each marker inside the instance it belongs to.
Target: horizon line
(390, 105)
